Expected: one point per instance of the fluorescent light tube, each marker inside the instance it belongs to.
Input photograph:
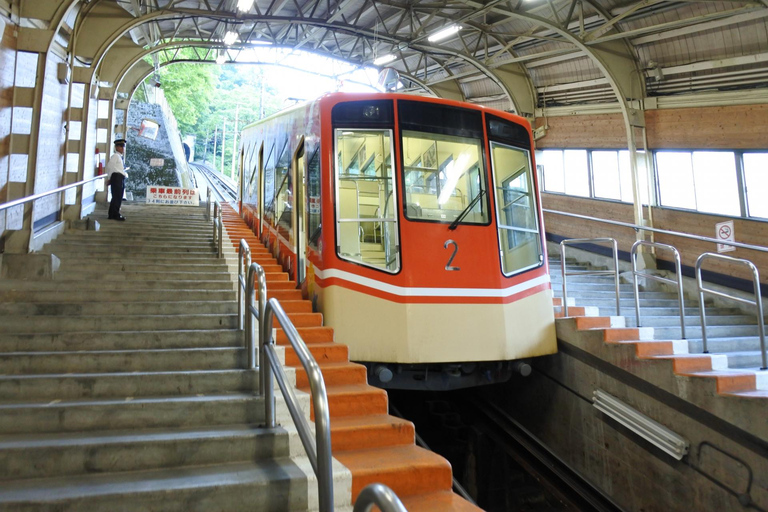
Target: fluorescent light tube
(650, 430)
(444, 33)
(221, 59)
(230, 38)
(384, 59)
(245, 5)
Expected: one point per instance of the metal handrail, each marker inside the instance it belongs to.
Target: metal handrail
(679, 281)
(757, 302)
(614, 272)
(218, 226)
(17, 202)
(243, 264)
(637, 227)
(208, 205)
(256, 274)
(378, 495)
(319, 451)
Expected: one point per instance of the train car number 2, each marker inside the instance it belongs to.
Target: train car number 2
(448, 265)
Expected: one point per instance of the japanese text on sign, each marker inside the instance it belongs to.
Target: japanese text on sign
(173, 196)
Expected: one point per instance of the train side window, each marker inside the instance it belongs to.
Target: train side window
(269, 185)
(283, 202)
(366, 219)
(314, 226)
(516, 211)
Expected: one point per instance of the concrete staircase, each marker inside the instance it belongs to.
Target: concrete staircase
(734, 357)
(121, 387)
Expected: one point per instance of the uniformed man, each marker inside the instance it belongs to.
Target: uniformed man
(116, 174)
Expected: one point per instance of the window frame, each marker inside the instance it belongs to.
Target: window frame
(534, 194)
(395, 210)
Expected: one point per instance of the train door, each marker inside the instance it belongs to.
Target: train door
(241, 180)
(299, 225)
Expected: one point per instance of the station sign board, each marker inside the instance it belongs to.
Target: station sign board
(158, 194)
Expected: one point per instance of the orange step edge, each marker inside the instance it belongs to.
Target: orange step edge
(375, 446)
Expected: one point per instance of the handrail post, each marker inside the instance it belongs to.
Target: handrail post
(615, 272)
(221, 237)
(616, 275)
(562, 270)
(758, 302)
(265, 369)
(215, 205)
(679, 281)
(243, 266)
(702, 313)
(635, 286)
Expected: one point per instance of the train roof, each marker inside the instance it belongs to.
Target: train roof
(336, 97)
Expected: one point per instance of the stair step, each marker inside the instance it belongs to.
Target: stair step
(407, 470)
(121, 308)
(373, 431)
(32, 324)
(64, 455)
(121, 340)
(125, 296)
(130, 413)
(176, 359)
(101, 283)
(72, 386)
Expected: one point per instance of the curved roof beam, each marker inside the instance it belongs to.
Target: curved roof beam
(117, 30)
(131, 59)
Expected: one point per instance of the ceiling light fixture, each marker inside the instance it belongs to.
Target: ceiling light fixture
(384, 59)
(244, 5)
(444, 33)
(650, 430)
(221, 59)
(230, 37)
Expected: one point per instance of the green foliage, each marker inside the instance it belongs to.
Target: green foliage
(189, 89)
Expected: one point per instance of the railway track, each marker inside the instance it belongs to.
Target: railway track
(501, 464)
(222, 189)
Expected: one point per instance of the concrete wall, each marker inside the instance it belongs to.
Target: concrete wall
(140, 150)
(554, 403)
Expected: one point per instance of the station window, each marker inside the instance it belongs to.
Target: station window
(566, 171)
(366, 204)
(756, 183)
(515, 208)
(704, 181)
(612, 175)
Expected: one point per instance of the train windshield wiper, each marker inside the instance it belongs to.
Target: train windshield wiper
(466, 210)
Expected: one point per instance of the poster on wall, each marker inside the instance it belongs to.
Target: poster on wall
(177, 196)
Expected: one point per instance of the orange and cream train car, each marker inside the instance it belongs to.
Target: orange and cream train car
(414, 225)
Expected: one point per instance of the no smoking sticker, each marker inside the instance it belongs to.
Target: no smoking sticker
(724, 231)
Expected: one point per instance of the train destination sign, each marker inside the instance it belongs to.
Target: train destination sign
(157, 194)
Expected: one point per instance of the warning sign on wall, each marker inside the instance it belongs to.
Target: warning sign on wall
(172, 195)
(724, 231)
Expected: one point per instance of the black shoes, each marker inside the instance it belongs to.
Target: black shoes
(119, 217)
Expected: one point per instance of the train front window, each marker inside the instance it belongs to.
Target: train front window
(443, 178)
(515, 209)
(366, 223)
